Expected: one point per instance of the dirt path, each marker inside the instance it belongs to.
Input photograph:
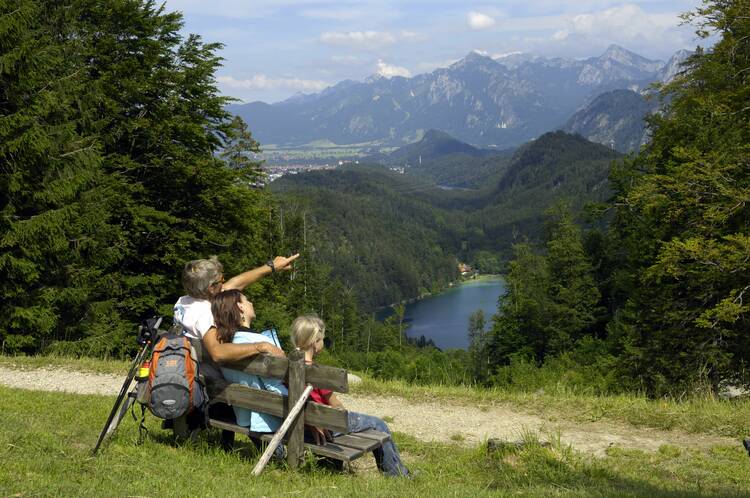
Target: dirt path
(436, 421)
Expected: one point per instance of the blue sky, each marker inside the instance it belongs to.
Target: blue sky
(277, 48)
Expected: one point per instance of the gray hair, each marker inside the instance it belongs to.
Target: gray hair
(305, 330)
(199, 274)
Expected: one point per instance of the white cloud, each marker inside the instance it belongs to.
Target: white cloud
(503, 55)
(411, 35)
(624, 23)
(263, 82)
(389, 71)
(336, 14)
(366, 39)
(477, 20)
(346, 59)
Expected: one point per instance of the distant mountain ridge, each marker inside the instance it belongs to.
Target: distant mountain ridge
(614, 119)
(617, 118)
(479, 100)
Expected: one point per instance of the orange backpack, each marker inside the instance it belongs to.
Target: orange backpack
(174, 385)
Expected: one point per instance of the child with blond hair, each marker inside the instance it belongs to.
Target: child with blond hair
(308, 332)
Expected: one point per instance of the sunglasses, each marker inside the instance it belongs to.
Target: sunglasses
(219, 282)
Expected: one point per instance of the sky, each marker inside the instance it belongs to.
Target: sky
(274, 49)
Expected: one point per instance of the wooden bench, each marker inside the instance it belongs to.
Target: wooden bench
(344, 448)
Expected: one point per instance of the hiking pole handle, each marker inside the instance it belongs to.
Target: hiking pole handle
(282, 431)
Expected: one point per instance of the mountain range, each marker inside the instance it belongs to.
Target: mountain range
(488, 102)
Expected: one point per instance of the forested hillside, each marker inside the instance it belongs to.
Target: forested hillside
(391, 236)
(379, 240)
(657, 302)
(447, 162)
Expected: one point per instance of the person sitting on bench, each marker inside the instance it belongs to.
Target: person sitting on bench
(204, 278)
(308, 332)
(233, 314)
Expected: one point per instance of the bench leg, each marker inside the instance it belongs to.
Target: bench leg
(227, 440)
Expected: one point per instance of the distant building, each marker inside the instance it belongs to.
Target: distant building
(464, 269)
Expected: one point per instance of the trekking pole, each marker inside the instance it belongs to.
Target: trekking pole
(123, 390)
(282, 431)
(146, 332)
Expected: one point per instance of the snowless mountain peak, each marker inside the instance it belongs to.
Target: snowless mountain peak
(626, 57)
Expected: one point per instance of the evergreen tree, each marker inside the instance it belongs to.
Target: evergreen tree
(573, 292)
(683, 219)
(114, 125)
(521, 326)
(58, 239)
(478, 344)
(238, 151)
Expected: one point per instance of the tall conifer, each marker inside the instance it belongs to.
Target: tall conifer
(683, 218)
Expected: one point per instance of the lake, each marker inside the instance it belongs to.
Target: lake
(444, 317)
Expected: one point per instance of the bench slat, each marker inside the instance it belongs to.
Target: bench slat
(380, 437)
(353, 441)
(330, 450)
(228, 426)
(337, 451)
(321, 376)
(276, 404)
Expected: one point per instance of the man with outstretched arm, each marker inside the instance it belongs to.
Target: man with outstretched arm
(204, 278)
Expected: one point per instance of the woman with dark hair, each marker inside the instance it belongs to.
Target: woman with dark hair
(233, 314)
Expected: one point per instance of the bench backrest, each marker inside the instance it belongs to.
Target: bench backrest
(296, 375)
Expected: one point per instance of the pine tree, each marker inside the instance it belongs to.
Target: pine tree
(521, 326)
(58, 238)
(239, 150)
(478, 344)
(112, 129)
(683, 218)
(573, 292)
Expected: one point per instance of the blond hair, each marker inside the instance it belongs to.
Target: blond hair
(199, 274)
(306, 329)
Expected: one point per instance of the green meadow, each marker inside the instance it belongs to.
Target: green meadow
(46, 440)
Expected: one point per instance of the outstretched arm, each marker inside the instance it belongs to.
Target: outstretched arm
(223, 353)
(280, 263)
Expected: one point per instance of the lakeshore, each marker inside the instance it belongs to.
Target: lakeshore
(443, 317)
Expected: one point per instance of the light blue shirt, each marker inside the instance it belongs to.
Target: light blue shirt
(257, 422)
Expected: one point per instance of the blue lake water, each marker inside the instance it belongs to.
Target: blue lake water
(444, 317)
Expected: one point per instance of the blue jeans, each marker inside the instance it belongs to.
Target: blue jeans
(387, 457)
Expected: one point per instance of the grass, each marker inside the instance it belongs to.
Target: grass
(46, 438)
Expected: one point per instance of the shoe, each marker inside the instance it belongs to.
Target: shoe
(746, 444)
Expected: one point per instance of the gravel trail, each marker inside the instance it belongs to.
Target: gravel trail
(442, 421)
